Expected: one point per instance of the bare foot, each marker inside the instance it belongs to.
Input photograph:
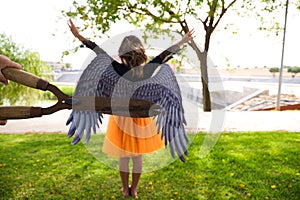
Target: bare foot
(133, 192)
(125, 192)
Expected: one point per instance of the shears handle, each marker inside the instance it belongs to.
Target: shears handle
(30, 80)
(19, 112)
(25, 78)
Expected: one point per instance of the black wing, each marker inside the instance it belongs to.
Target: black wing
(100, 79)
(171, 120)
(86, 121)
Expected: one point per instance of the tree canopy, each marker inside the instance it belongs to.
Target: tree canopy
(294, 70)
(274, 70)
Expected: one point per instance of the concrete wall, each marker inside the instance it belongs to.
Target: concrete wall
(219, 99)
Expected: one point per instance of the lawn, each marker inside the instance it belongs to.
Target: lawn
(255, 165)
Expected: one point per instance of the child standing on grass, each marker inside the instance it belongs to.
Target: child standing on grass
(130, 138)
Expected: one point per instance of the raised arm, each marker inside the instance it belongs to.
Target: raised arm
(187, 37)
(167, 54)
(92, 45)
(75, 31)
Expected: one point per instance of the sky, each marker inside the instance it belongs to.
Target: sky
(38, 25)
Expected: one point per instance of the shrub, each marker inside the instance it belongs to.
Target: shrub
(31, 63)
(274, 70)
(294, 70)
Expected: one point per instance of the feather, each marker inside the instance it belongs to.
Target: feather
(160, 129)
(166, 134)
(76, 118)
(88, 127)
(178, 148)
(184, 134)
(176, 118)
(183, 118)
(160, 121)
(182, 142)
(100, 116)
(80, 128)
(72, 130)
(70, 119)
(172, 151)
(94, 121)
(172, 133)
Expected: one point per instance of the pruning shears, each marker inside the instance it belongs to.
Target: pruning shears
(105, 105)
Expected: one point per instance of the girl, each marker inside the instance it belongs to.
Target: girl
(129, 138)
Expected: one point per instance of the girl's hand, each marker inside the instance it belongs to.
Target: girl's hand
(73, 28)
(187, 37)
(75, 31)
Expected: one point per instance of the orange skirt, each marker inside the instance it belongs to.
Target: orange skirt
(127, 137)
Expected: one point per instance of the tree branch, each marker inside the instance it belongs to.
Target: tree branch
(187, 5)
(224, 10)
(205, 23)
(145, 11)
(185, 29)
(198, 18)
(171, 13)
(211, 15)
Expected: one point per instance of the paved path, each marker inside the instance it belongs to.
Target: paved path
(212, 122)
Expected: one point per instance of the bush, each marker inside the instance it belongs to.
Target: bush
(31, 62)
(274, 70)
(294, 70)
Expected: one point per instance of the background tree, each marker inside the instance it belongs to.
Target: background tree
(294, 70)
(30, 62)
(274, 70)
(170, 15)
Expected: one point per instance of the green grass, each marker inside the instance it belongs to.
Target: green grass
(258, 165)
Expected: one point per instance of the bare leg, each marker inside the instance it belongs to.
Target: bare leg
(136, 174)
(124, 174)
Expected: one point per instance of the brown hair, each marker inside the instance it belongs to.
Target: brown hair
(132, 54)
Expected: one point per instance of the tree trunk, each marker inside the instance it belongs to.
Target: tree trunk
(204, 73)
(204, 80)
(202, 56)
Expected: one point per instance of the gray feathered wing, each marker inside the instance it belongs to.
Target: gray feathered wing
(100, 79)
